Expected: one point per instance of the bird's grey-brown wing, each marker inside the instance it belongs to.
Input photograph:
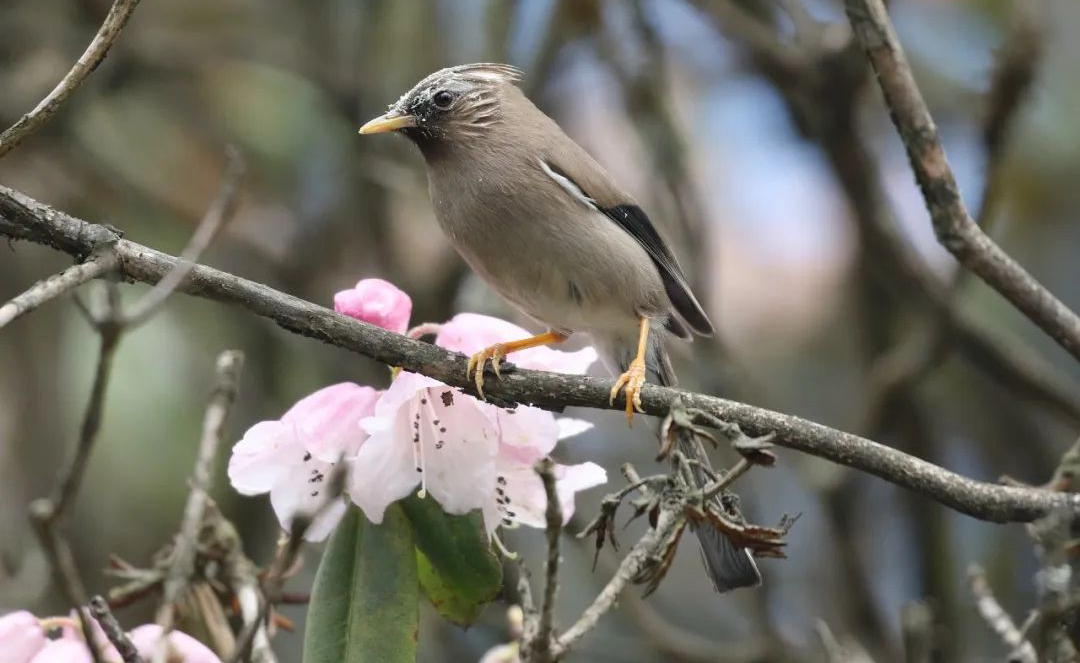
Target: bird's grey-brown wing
(580, 175)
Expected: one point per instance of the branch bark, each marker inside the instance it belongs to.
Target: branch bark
(953, 225)
(106, 36)
(24, 218)
(56, 285)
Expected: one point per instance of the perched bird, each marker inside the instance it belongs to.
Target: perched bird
(542, 223)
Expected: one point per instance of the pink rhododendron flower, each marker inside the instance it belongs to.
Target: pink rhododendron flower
(293, 457)
(66, 650)
(21, 637)
(182, 647)
(470, 333)
(376, 302)
(426, 434)
(418, 434)
(465, 453)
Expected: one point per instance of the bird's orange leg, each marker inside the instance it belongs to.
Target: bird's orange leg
(634, 377)
(496, 353)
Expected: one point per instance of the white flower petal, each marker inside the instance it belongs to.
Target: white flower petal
(302, 493)
(520, 496)
(569, 426)
(383, 471)
(268, 451)
(457, 448)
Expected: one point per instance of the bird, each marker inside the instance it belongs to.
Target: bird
(542, 222)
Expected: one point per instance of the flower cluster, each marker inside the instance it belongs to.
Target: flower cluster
(26, 639)
(419, 434)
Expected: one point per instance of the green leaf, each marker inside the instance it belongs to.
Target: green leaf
(448, 601)
(459, 570)
(364, 606)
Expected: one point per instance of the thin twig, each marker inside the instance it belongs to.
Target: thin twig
(741, 468)
(44, 518)
(182, 567)
(539, 647)
(954, 227)
(252, 638)
(630, 566)
(24, 218)
(217, 216)
(106, 36)
(917, 629)
(997, 619)
(113, 631)
(56, 285)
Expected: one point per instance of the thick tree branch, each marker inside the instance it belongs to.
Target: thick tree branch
(24, 218)
(954, 227)
(106, 36)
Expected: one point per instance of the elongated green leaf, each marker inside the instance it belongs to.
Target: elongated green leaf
(463, 572)
(448, 601)
(364, 604)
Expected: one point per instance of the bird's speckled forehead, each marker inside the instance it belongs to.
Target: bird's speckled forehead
(461, 78)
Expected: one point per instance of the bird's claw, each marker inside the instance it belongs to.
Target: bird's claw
(495, 353)
(631, 383)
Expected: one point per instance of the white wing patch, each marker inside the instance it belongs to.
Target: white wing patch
(565, 182)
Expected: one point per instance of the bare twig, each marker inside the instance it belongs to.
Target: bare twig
(837, 651)
(24, 218)
(113, 631)
(917, 628)
(997, 619)
(1013, 76)
(56, 285)
(741, 468)
(217, 216)
(539, 647)
(630, 566)
(182, 566)
(106, 36)
(252, 637)
(954, 227)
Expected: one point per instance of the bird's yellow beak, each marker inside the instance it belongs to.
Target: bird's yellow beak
(392, 121)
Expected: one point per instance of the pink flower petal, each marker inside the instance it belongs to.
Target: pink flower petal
(294, 458)
(526, 434)
(184, 648)
(64, 650)
(469, 333)
(376, 302)
(21, 637)
(327, 420)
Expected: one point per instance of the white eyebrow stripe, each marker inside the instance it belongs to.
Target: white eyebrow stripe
(565, 182)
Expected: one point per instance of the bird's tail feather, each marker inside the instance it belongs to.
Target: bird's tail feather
(729, 566)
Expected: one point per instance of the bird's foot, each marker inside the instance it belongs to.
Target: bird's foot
(631, 383)
(495, 353)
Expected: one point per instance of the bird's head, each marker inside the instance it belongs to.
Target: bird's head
(450, 104)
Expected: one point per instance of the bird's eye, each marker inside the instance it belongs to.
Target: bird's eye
(443, 99)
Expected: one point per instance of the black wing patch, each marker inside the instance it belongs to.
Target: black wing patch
(633, 220)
